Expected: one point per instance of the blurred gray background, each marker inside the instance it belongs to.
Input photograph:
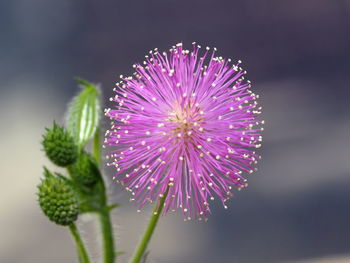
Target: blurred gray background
(297, 56)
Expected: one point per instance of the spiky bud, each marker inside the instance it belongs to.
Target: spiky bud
(57, 199)
(59, 146)
(85, 171)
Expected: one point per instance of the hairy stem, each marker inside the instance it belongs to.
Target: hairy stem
(107, 233)
(139, 252)
(96, 147)
(109, 254)
(83, 256)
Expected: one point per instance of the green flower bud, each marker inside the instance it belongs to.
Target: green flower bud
(85, 171)
(59, 146)
(57, 199)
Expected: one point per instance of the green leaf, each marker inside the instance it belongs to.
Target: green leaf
(84, 112)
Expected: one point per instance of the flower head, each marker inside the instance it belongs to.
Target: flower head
(59, 146)
(58, 199)
(186, 123)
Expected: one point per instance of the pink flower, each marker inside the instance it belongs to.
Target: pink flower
(184, 125)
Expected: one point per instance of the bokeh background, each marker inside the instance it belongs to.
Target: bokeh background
(297, 56)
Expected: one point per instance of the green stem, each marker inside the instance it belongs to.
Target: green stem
(104, 215)
(149, 230)
(83, 256)
(107, 232)
(96, 147)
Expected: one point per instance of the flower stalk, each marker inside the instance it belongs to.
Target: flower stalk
(83, 255)
(107, 233)
(141, 248)
(104, 214)
(96, 147)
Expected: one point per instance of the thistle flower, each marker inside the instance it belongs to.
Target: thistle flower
(185, 125)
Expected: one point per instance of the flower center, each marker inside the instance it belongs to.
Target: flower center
(188, 118)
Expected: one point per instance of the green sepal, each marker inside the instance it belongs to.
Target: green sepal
(84, 112)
